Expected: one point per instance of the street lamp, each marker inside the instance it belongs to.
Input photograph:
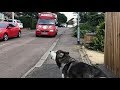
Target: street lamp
(13, 17)
(78, 31)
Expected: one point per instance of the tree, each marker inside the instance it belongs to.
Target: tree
(31, 14)
(61, 18)
(29, 19)
(95, 19)
(83, 17)
(92, 19)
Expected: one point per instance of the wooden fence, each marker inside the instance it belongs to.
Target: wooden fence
(112, 42)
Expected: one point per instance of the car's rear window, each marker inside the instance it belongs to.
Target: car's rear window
(3, 25)
(9, 20)
(18, 21)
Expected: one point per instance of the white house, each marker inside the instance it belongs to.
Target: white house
(71, 15)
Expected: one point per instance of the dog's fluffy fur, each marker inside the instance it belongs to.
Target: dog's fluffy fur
(71, 68)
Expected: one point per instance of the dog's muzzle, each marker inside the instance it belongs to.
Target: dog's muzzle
(53, 55)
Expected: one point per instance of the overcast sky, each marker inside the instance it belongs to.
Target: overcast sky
(69, 15)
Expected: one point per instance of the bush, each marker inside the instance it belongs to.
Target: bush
(33, 24)
(98, 41)
(84, 28)
(28, 22)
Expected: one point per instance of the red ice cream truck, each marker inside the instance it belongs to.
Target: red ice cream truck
(46, 25)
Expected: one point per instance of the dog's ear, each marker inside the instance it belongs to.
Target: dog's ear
(66, 52)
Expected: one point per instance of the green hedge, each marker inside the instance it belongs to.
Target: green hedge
(28, 22)
(82, 33)
(84, 28)
(98, 41)
(33, 24)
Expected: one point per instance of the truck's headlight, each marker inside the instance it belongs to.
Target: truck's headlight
(50, 27)
(38, 29)
(0, 31)
(39, 26)
(51, 30)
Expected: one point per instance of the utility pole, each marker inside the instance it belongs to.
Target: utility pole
(13, 17)
(78, 31)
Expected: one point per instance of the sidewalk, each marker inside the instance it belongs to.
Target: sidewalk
(98, 58)
(68, 43)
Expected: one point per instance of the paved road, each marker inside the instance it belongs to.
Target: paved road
(49, 68)
(18, 55)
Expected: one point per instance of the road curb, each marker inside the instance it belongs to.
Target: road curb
(43, 58)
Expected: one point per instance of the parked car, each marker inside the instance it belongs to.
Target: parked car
(9, 30)
(16, 21)
(61, 25)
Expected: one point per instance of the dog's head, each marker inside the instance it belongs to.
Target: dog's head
(53, 55)
(59, 56)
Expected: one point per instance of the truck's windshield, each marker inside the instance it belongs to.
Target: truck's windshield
(46, 21)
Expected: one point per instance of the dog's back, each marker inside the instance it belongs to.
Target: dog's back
(81, 70)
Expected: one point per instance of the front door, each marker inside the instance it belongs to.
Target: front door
(13, 30)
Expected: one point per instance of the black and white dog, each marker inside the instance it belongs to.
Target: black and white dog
(71, 68)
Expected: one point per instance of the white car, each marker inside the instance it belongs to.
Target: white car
(16, 21)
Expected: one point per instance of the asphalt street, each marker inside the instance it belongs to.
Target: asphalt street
(18, 55)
